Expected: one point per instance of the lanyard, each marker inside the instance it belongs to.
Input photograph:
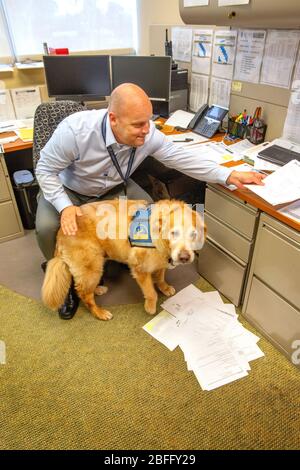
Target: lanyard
(114, 158)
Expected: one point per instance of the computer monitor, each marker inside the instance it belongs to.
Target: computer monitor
(78, 77)
(152, 73)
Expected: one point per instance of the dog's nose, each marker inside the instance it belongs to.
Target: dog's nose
(184, 256)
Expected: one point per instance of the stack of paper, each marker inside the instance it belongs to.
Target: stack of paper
(15, 124)
(26, 134)
(280, 187)
(216, 347)
(180, 118)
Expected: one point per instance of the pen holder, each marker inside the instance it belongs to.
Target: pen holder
(237, 129)
(257, 132)
(254, 133)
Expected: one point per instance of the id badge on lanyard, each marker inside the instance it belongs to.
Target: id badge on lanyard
(114, 157)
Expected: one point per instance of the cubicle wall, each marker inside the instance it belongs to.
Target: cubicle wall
(273, 100)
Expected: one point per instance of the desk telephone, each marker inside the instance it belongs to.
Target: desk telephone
(207, 120)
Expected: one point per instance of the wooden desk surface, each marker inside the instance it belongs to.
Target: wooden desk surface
(16, 145)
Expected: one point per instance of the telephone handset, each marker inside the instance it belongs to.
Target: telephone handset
(198, 116)
(207, 120)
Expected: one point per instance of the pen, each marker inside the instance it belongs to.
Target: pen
(185, 140)
(262, 172)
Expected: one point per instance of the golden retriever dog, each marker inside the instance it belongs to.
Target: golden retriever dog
(175, 231)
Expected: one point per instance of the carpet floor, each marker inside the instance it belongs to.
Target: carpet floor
(87, 384)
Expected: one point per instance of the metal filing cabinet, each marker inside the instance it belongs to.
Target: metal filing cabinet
(10, 222)
(231, 228)
(272, 298)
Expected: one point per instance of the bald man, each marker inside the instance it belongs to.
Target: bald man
(91, 155)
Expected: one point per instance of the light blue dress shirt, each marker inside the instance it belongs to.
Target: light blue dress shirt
(76, 157)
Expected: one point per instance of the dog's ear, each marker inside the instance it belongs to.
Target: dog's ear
(200, 226)
(157, 224)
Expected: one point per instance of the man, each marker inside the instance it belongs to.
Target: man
(92, 153)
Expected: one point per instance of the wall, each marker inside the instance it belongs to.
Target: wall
(273, 100)
(155, 12)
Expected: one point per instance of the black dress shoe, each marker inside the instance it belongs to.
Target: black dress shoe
(69, 307)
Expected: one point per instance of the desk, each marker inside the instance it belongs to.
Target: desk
(252, 256)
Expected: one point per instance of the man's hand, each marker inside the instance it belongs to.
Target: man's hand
(239, 178)
(68, 219)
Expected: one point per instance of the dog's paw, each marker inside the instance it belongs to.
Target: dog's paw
(103, 314)
(150, 306)
(166, 289)
(100, 290)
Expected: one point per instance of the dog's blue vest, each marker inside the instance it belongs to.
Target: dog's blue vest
(139, 230)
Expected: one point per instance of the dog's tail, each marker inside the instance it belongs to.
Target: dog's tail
(56, 284)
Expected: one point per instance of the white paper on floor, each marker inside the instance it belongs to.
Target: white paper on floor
(216, 347)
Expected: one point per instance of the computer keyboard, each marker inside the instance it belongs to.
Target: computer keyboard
(278, 155)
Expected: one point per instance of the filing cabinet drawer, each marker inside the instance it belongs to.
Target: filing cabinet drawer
(277, 259)
(222, 272)
(4, 191)
(9, 223)
(232, 211)
(273, 316)
(227, 238)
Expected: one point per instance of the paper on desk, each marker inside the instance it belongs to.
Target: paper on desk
(281, 186)
(26, 134)
(180, 118)
(215, 151)
(292, 211)
(15, 124)
(239, 148)
(8, 140)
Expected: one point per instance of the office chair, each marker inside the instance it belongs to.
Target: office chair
(46, 119)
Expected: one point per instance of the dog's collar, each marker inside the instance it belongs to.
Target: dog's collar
(139, 229)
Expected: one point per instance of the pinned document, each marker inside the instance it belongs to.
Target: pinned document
(224, 53)
(249, 55)
(7, 112)
(279, 58)
(25, 101)
(202, 48)
(182, 44)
